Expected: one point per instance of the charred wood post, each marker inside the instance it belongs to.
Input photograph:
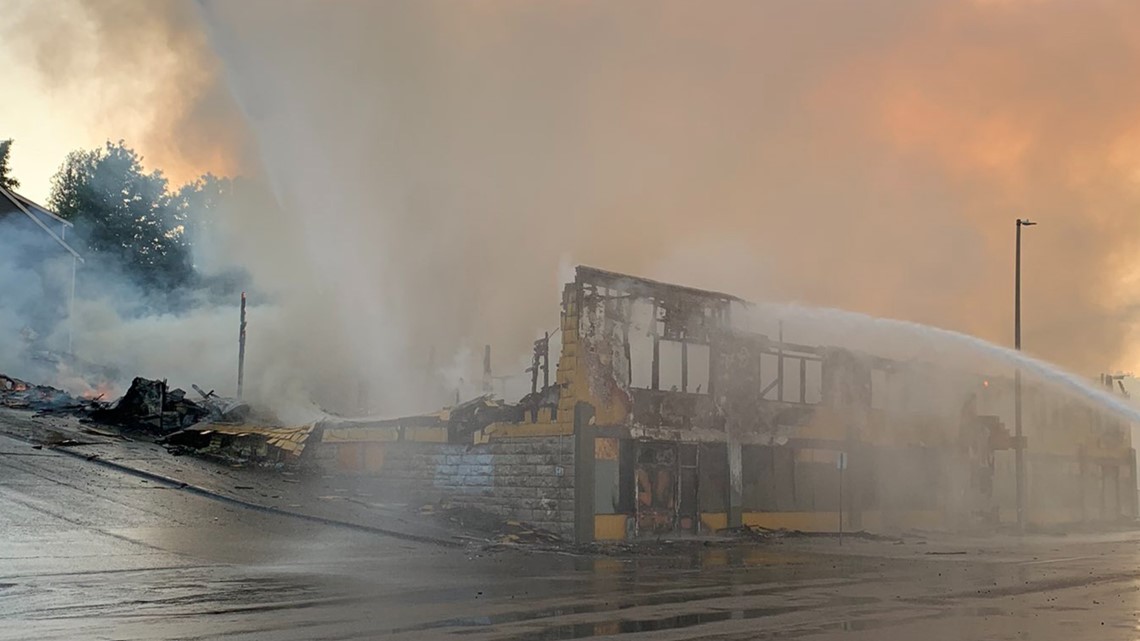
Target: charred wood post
(488, 385)
(241, 349)
(546, 360)
(780, 361)
(540, 360)
(533, 369)
(684, 364)
(655, 372)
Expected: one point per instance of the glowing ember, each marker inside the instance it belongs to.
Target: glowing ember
(99, 392)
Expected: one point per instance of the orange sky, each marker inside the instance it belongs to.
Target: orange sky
(869, 155)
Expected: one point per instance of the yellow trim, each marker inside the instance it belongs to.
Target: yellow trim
(871, 520)
(609, 527)
(713, 521)
(807, 521)
(359, 434)
(606, 449)
(374, 455)
(425, 434)
(515, 430)
(714, 558)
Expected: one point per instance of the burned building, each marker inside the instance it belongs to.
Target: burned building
(666, 417)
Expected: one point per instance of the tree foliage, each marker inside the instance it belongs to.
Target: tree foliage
(6, 179)
(125, 214)
(197, 200)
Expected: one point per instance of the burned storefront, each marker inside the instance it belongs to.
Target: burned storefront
(666, 416)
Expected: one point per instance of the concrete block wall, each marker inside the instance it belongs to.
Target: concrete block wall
(527, 479)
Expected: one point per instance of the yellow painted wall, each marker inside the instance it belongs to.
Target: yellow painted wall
(348, 456)
(425, 434)
(574, 378)
(359, 434)
(807, 521)
(713, 521)
(872, 520)
(826, 424)
(517, 430)
(334, 435)
(609, 527)
(373, 456)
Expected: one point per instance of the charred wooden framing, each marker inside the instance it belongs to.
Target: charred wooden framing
(667, 415)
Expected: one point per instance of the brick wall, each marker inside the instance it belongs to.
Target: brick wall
(527, 479)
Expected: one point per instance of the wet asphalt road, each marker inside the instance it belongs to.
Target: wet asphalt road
(92, 553)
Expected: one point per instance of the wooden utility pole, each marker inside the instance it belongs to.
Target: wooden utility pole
(841, 464)
(241, 349)
(1019, 437)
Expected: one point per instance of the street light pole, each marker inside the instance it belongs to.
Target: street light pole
(1019, 439)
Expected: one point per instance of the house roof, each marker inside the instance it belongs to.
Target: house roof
(13, 204)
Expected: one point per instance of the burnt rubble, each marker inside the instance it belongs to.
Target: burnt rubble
(208, 425)
(19, 394)
(262, 446)
(151, 404)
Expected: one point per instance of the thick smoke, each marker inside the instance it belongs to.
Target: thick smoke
(140, 71)
(865, 156)
(438, 163)
(34, 291)
(117, 331)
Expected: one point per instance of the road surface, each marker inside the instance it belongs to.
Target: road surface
(88, 552)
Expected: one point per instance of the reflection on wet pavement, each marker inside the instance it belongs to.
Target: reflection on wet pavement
(89, 553)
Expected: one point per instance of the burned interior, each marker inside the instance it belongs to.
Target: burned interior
(667, 415)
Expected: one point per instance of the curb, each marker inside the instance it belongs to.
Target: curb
(257, 507)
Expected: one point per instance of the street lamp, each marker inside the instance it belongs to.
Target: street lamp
(1019, 439)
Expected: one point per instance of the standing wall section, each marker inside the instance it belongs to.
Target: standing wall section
(527, 479)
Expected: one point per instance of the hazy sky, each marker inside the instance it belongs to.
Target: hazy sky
(45, 127)
(448, 160)
(81, 72)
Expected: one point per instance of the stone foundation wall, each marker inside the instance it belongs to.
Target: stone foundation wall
(526, 479)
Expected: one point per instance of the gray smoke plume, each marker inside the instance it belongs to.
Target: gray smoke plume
(437, 164)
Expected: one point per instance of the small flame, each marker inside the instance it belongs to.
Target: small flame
(99, 392)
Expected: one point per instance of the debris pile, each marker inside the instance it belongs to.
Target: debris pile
(211, 425)
(241, 444)
(149, 404)
(757, 532)
(492, 527)
(224, 409)
(18, 394)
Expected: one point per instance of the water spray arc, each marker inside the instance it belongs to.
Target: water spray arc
(862, 325)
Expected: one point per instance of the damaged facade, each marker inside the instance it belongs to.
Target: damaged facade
(664, 418)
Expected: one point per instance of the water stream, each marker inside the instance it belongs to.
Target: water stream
(866, 328)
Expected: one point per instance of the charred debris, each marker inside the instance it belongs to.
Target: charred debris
(209, 424)
(20, 394)
(203, 423)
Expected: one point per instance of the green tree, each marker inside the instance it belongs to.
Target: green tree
(125, 214)
(6, 179)
(198, 203)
